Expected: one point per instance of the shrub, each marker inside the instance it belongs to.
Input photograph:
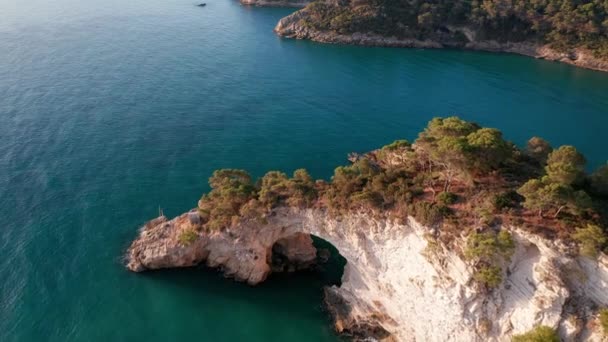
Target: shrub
(254, 210)
(274, 188)
(446, 198)
(490, 246)
(539, 334)
(590, 240)
(543, 194)
(488, 250)
(485, 214)
(277, 189)
(490, 276)
(187, 237)
(565, 165)
(428, 214)
(230, 190)
(508, 199)
(603, 317)
(302, 191)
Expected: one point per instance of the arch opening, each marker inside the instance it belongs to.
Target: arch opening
(310, 253)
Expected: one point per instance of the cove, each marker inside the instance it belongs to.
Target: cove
(110, 110)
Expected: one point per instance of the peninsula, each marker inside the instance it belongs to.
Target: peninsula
(574, 32)
(460, 235)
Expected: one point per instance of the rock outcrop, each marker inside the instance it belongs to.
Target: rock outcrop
(293, 26)
(276, 3)
(397, 286)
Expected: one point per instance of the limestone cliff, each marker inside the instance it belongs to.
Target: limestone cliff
(397, 285)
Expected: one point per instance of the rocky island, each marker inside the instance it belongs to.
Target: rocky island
(459, 236)
(574, 32)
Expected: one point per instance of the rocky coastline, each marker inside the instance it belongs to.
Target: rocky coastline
(397, 285)
(276, 3)
(293, 26)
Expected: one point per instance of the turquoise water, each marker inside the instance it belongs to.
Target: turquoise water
(110, 109)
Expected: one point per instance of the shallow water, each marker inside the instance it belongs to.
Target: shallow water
(111, 109)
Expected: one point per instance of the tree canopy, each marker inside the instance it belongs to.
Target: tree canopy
(456, 176)
(566, 166)
(564, 24)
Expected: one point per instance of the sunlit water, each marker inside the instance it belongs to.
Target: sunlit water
(110, 109)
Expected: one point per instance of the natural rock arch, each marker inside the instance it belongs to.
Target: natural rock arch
(392, 287)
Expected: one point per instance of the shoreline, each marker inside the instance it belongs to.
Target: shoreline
(290, 27)
(270, 3)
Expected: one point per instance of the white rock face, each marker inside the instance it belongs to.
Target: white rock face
(413, 292)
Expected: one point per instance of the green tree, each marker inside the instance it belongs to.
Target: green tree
(230, 190)
(488, 148)
(591, 239)
(452, 126)
(444, 144)
(539, 334)
(542, 195)
(565, 166)
(231, 179)
(274, 188)
(302, 190)
(451, 154)
(460, 149)
(535, 196)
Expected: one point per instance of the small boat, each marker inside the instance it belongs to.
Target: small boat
(202, 5)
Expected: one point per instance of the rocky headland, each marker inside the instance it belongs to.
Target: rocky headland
(450, 260)
(378, 24)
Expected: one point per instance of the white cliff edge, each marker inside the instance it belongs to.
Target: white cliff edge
(395, 286)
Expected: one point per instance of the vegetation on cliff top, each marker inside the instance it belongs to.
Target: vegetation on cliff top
(565, 24)
(459, 177)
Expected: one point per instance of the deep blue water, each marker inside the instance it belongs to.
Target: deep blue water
(110, 109)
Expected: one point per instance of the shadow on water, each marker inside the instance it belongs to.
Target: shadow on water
(296, 294)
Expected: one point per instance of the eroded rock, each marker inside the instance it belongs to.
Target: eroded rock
(393, 287)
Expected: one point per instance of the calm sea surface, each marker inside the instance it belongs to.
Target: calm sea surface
(110, 109)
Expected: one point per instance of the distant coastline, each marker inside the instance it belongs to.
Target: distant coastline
(580, 58)
(276, 3)
(338, 23)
